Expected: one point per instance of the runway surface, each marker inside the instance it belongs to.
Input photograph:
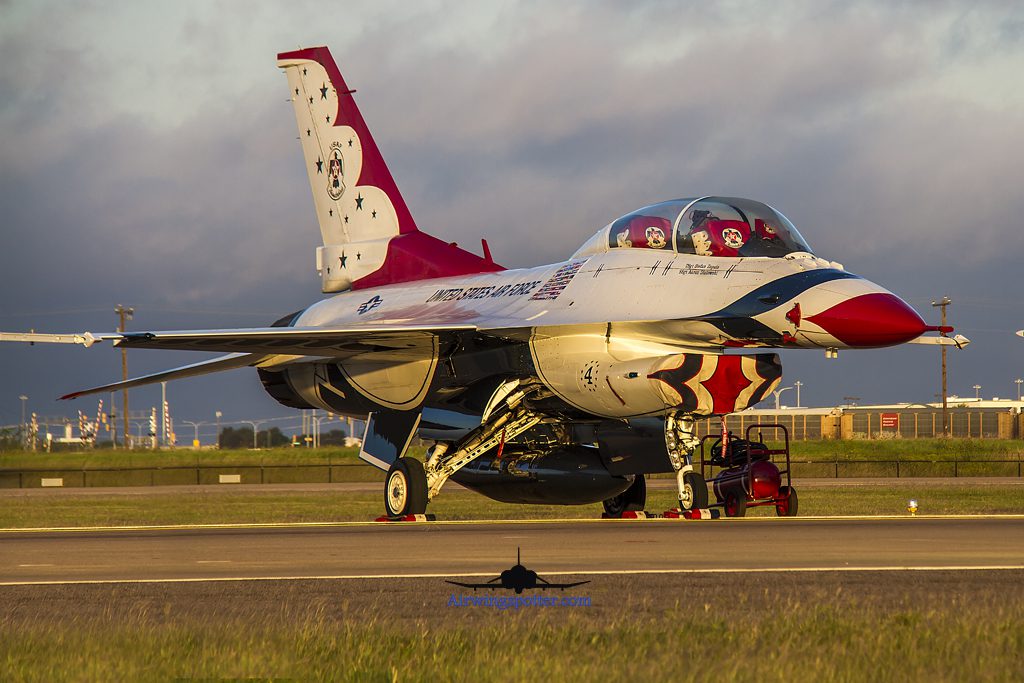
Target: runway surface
(485, 548)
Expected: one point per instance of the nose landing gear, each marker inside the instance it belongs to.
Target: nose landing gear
(681, 441)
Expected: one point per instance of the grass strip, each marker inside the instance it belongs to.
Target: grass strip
(219, 506)
(771, 628)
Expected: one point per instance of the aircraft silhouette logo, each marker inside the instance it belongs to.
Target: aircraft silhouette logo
(518, 578)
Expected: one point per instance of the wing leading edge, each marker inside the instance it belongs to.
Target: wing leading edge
(312, 341)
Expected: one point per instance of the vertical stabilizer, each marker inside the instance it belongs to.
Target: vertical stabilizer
(369, 235)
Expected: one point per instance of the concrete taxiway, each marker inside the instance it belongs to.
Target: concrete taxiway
(361, 550)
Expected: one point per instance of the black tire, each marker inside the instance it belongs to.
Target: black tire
(787, 507)
(405, 488)
(698, 492)
(633, 498)
(735, 505)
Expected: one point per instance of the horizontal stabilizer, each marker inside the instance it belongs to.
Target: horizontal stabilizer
(228, 362)
(959, 341)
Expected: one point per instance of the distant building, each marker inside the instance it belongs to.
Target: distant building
(968, 418)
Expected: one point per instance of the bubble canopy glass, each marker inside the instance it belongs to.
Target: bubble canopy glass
(708, 226)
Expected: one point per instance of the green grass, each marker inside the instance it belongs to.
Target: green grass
(904, 458)
(226, 507)
(791, 628)
(887, 449)
(821, 450)
(91, 459)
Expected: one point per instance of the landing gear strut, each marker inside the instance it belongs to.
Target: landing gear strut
(505, 417)
(681, 441)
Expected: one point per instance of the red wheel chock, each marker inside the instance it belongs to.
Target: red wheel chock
(630, 514)
(696, 513)
(407, 518)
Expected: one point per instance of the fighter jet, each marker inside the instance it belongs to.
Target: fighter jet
(560, 384)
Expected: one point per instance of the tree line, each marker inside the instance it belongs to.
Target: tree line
(241, 437)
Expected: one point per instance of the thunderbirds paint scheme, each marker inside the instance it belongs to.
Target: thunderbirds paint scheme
(564, 383)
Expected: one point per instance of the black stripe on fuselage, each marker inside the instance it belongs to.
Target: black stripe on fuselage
(777, 292)
(737, 319)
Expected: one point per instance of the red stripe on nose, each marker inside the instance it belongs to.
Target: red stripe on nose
(871, 320)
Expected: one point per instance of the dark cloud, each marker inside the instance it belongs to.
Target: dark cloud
(162, 171)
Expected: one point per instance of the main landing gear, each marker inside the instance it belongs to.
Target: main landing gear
(405, 488)
(409, 486)
(681, 441)
(633, 499)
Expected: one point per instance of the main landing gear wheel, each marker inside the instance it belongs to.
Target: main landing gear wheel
(405, 488)
(735, 505)
(787, 506)
(694, 493)
(634, 498)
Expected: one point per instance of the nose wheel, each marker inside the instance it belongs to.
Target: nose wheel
(693, 492)
(405, 488)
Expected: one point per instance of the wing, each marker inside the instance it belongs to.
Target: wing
(304, 341)
(257, 346)
(474, 586)
(544, 584)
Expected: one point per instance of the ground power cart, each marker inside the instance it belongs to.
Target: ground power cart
(748, 473)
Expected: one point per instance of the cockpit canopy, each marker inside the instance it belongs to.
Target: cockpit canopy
(709, 226)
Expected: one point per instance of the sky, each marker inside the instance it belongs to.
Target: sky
(148, 157)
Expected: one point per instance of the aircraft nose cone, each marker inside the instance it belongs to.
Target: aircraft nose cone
(868, 320)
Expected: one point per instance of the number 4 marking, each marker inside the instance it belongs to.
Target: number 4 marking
(588, 373)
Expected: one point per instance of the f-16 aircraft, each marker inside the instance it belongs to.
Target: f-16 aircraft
(560, 384)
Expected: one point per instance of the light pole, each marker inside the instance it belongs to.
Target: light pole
(977, 391)
(195, 427)
(798, 384)
(778, 394)
(24, 398)
(316, 432)
(1017, 381)
(255, 428)
(941, 305)
(122, 315)
(163, 413)
(218, 415)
